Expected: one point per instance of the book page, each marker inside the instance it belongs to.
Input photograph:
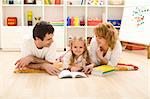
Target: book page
(68, 74)
(78, 75)
(65, 74)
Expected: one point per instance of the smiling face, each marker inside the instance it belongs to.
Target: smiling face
(47, 41)
(78, 47)
(106, 35)
(100, 40)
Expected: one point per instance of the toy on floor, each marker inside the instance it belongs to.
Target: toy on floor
(125, 67)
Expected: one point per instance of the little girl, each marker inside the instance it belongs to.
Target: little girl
(78, 59)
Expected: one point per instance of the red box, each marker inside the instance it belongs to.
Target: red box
(93, 22)
(12, 21)
(57, 1)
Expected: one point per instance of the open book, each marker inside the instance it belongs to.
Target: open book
(68, 74)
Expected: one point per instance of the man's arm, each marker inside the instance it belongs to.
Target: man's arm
(30, 59)
(49, 68)
(39, 60)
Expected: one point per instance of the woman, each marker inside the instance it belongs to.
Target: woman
(105, 48)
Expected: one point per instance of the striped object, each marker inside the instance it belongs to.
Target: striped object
(125, 67)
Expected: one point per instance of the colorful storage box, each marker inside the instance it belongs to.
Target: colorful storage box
(12, 21)
(93, 22)
(115, 22)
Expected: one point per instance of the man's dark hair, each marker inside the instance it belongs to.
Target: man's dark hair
(41, 29)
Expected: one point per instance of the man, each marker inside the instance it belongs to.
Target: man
(39, 52)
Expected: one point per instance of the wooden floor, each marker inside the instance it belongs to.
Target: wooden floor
(120, 85)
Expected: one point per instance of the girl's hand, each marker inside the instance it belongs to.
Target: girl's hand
(88, 69)
(75, 69)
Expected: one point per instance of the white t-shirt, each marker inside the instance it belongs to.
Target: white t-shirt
(112, 56)
(29, 48)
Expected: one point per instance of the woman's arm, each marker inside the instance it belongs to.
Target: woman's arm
(115, 55)
(92, 51)
(101, 57)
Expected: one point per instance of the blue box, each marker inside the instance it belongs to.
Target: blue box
(115, 22)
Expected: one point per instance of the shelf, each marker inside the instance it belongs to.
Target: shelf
(76, 27)
(48, 5)
(12, 5)
(34, 10)
(13, 12)
(76, 5)
(113, 15)
(32, 5)
(116, 6)
(96, 13)
(12, 27)
(91, 26)
(53, 13)
(80, 11)
(58, 13)
(96, 6)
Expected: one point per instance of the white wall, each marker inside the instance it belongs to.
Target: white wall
(0, 20)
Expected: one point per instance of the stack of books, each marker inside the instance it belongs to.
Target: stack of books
(103, 70)
(57, 22)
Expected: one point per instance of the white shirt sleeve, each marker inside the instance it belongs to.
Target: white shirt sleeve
(51, 54)
(67, 60)
(92, 51)
(25, 47)
(115, 55)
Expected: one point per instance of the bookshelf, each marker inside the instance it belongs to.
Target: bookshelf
(57, 14)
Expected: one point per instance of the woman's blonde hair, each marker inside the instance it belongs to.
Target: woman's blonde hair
(85, 54)
(108, 32)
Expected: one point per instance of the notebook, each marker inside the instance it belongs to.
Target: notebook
(103, 70)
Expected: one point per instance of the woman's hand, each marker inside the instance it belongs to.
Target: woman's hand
(99, 54)
(101, 58)
(88, 69)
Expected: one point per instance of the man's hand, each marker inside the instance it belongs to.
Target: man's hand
(21, 63)
(50, 69)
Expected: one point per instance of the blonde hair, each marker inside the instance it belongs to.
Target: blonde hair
(85, 54)
(108, 32)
